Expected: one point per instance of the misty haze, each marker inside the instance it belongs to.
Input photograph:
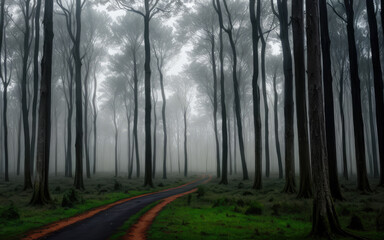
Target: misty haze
(191, 119)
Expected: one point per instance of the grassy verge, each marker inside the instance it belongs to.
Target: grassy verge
(17, 217)
(237, 212)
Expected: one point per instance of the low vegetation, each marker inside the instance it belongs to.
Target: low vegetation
(236, 212)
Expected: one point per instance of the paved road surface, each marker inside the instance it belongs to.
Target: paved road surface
(104, 224)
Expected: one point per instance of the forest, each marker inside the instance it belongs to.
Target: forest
(191, 119)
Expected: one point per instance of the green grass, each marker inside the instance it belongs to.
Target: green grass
(98, 191)
(221, 213)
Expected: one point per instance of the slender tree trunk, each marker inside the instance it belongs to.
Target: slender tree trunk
(79, 184)
(56, 140)
(35, 77)
(136, 114)
(288, 99)
(41, 193)
(147, 87)
(86, 141)
(229, 147)
(5, 126)
(255, 19)
(68, 155)
(116, 134)
(185, 145)
(213, 62)
(325, 221)
(237, 96)
(178, 146)
(378, 83)
(234, 143)
(154, 139)
(129, 143)
(372, 133)
(95, 123)
(224, 176)
(276, 118)
(265, 98)
(329, 105)
(19, 145)
(362, 180)
(28, 165)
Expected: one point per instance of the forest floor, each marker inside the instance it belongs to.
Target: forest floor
(17, 217)
(235, 211)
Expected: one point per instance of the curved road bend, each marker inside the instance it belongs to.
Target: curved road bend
(104, 224)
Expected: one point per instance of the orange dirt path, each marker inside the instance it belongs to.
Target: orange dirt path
(53, 227)
(138, 231)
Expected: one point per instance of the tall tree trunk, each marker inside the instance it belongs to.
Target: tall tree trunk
(86, 141)
(305, 189)
(95, 123)
(116, 134)
(56, 140)
(265, 99)
(343, 127)
(154, 139)
(41, 193)
(378, 83)
(362, 179)
(234, 142)
(35, 77)
(136, 114)
(79, 184)
(28, 165)
(276, 118)
(213, 62)
(147, 87)
(129, 141)
(68, 154)
(236, 91)
(329, 105)
(325, 222)
(5, 126)
(255, 19)
(229, 146)
(185, 145)
(288, 99)
(178, 146)
(19, 145)
(224, 176)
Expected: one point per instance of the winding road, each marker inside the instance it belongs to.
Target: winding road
(104, 224)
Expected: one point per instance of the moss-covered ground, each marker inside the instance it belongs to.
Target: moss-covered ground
(17, 217)
(235, 211)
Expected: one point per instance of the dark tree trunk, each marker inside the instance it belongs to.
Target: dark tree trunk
(325, 222)
(147, 87)
(305, 189)
(343, 129)
(213, 62)
(178, 146)
(19, 145)
(224, 176)
(328, 101)
(265, 98)
(288, 99)
(79, 184)
(35, 77)
(28, 165)
(229, 146)
(255, 21)
(378, 82)
(5, 126)
(128, 113)
(136, 114)
(276, 118)
(41, 193)
(362, 179)
(234, 143)
(68, 154)
(95, 123)
(185, 145)
(86, 141)
(236, 91)
(154, 139)
(56, 140)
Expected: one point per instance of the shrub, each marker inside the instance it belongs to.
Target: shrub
(117, 186)
(201, 191)
(70, 198)
(254, 209)
(10, 213)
